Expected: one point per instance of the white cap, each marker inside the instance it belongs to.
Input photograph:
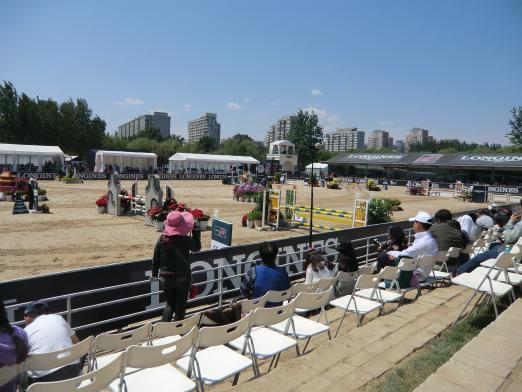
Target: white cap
(422, 217)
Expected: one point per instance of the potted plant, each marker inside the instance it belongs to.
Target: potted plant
(201, 218)
(45, 209)
(250, 220)
(158, 216)
(244, 220)
(42, 194)
(101, 204)
(256, 214)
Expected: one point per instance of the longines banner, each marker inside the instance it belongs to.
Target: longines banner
(365, 158)
(123, 176)
(488, 160)
(37, 175)
(510, 190)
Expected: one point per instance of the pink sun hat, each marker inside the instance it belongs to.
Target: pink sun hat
(178, 223)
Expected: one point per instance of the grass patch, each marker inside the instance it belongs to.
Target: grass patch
(411, 373)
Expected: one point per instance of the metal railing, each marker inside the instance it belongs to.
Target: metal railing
(361, 246)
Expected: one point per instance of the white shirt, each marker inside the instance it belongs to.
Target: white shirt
(48, 333)
(470, 227)
(313, 276)
(424, 244)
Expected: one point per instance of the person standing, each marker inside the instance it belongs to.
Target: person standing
(171, 261)
(14, 347)
(47, 333)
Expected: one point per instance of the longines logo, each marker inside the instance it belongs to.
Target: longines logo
(368, 157)
(491, 158)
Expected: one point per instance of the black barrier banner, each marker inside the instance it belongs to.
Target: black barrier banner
(188, 176)
(509, 190)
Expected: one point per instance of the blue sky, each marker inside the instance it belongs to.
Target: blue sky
(453, 67)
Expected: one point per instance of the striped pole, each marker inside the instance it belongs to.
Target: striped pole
(319, 209)
(347, 215)
(315, 226)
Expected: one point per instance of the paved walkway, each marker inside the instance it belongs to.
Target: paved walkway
(359, 355)
(491, 361)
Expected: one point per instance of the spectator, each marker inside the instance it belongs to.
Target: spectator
(47, 333)
(13, 347)
(512, 232)
(501, 221)
(447, 234)
(484, 221)
(467, 223)
(424, 243)
(171, 261)
(347, 261)
(317, 267)
(265, 276)
(396, 242)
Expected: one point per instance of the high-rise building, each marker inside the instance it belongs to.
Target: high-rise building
(344, 139)
(379, 139)
(399, 145)
(159, 120)
(206, 125)
(278, 131)
(416, 136)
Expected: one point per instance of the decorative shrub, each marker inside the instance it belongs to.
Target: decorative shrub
(378, 212)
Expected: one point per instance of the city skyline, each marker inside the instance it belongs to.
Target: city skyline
(393, 66)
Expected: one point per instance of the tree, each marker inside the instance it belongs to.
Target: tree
(515, 136)
(206, 144)
(243, 145)
(142, 144)
(151, 133)
(305, 133)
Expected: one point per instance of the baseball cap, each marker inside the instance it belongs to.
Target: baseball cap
(422, 217)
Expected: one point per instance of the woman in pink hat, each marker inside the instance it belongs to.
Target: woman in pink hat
(171, 261)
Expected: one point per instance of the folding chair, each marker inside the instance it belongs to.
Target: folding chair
(379, 294)
(499, 270)
(516, 252)
(59, 358)
(345, 283)
(7, 373)
(116, 342)
(215, 362)
(94, 381)
(151, 367)
(358, 305)
(305, 328)
(427, 264)
(248, 305)
(265, 342)
(406, 265)
(164, 332)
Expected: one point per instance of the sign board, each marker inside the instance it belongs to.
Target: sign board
(360, 212)
(221, 234)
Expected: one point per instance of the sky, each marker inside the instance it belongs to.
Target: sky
(452, 67)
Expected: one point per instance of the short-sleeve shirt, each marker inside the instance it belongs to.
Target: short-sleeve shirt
(48, 333)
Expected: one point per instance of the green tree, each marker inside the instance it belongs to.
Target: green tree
(515, 136)
(142, 144)
(151, 133)
(165, 149)
(305, 133)
(8, 113)
(243, 145)
(206, 144)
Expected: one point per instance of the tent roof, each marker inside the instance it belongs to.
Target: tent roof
(28, 149)
(285, 141)
(317, 165)
(126, 154)
(185, 156)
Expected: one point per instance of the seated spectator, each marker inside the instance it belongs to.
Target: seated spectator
(484, 221)
(447, 234)
(13, 347)
(347, 260)
(317, 267)
(467, 223)
(396, 242)
(47, 333)
(512, 232)
(501, 221)
(424, 243)
(265, 276)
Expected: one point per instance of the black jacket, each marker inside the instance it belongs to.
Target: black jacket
(171, 254)
(447, 235)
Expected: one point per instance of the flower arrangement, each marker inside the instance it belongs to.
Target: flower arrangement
(247, 191)
(199, 215)
(102, 201)
(157, 214)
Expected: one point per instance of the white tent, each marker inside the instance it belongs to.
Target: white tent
(26, 157)
(124, 159)
(210, 162)
(319, 168)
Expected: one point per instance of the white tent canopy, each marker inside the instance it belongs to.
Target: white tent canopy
(319, 168)
(124, 159)
(211, 162)
(22, 157)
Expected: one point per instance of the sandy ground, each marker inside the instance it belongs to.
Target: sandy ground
(75, 236)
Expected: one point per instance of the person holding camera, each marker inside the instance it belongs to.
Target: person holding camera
(396, 242)
(171, 261)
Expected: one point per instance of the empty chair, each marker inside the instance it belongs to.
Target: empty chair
(358, 305)
(365, 270)
(94, 381)
(273, 297)
(305, 328)
(60, 358)
(214, 362)
(499, 270)
(164, 332)
(155, 372)
(303, 288)
(515, 266)
(379, 294)
(115, 342)
(267, 343)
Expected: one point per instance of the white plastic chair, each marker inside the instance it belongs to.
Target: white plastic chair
(151, 367)
(116, 342)
(213, 362)
(164, 332)
(378, 294)
(405, 265)
(7, 373)
(358, 305)
(59, 358)
(265, 342)
(94, 381)
(499, 270)
(516, 267)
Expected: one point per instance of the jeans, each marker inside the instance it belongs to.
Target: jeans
(176, 291)
(494, 250)
(64, 373)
